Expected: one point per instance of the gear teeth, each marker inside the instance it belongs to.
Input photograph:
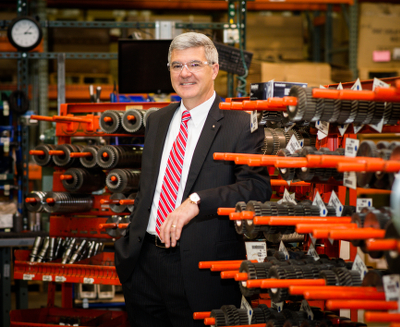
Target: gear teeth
(394, 109)
(307, 272)
(286, 173)
(344, 276)
(379, 109)
(240, 224)
(231, 314)
(330, 277)
(219, 317)
(362, 111)
(257, 317)
(252, 229)
(306, 104)
(331, 211)
(345, 111)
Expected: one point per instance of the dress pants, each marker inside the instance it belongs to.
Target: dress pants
(155, 295)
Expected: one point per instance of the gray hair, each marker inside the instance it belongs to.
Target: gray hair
(192, 40)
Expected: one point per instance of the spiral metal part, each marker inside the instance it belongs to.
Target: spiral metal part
(110, 122)
(63, 202)
(83, 180)
(45, 159)
(90, 161)
(65, 160)
(148, 113)
(123, 180)
(118, 156)
(132, 120)
(36, 204)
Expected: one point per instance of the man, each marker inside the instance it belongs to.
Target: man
(175, 223)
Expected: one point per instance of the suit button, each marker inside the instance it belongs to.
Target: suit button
(139, 239)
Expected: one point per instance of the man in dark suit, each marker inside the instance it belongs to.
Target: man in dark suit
(157, 260)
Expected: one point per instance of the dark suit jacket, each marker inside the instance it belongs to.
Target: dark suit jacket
(219, 184)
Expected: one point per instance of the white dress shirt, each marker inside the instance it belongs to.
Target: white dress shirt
(195, 126)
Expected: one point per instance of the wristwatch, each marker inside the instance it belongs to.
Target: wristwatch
(194, 198)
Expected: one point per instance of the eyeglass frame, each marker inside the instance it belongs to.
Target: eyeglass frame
(185, 65)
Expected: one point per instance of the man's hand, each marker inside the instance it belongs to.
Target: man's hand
(171, 229)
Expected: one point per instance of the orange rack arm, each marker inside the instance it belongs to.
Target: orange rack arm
(361, 305)
(310, 228)
(66, 177)
(389, 94)
(127, 202)
(109, 201)
(348, 295)
(221, 267)
(36, 152)
(382, 317)
(208, 264)
(300, 290)
(75, 119)
(44, 118)
(357, 234)
(285, 283)
(290, 220)
(281, 182)
(229, 274)
(56, 152)
(108, 226)
(225, 211)
(383, 245)
(123, 226)
(241, 276)
(80, 154)
(235, 216)
(201, 315)
(30, 200)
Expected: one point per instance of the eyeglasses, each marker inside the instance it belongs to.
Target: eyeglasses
(193, 66)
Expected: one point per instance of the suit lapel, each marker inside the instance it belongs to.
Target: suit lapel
(210, 130)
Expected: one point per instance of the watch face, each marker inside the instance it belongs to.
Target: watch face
(25, 34)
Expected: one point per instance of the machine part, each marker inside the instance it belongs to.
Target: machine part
(381, 177)
(304, 173)
(123, 180)
(135, 123)
(35, 249)
(219, 316)
(131, 207)
(348, 211)
(288, 174)
(18, 102)
(366, 149)
(114, 232)
(394, 108)
(330, 277)
(148, 113)
(36, 205)
(378, 111)
(392, 257)
(284, 272)
(252, 231)
(395, 146)
(116, 207)
(50, 251)
(68, 251)
(63, 202)
(347, 277)
(345, 112)
(378, 220)
(77, 253)
(83, 180)
(44, 160)
(271, 142)
(90, 162)
(330, 109)
(65, 160)
(118, 156)
(45, 246)
(254, 270)
(58, 247)
(361, 107)
(306, 104)
(373, 278)
(240, 224)
(110, 121)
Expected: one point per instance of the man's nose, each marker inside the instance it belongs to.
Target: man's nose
(185, 72)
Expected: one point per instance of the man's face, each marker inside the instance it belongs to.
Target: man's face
(193, 88)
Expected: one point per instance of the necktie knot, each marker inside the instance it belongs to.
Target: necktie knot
(185, 116)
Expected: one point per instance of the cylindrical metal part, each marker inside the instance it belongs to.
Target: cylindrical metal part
(65, 160)
(84, 181)
(35, 249)
(91, 161)
(43, 250)
(132, 120)
(110, 121)
(36, 201)
(45, 159)
(123, 180)
(63, 202)
(119, 156)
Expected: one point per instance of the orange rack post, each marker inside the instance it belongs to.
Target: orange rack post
(300, 290)
(290, 220)
(357, 234)
(361, 305)
(225, 211)
(383, 245)
(80, 154)
(382, 317)
(348, 295)
(36, 152)
(201, 315)
(127, 202)
(208, 264)
(229, 274)
(285, 283)
(310, 228)
(109, 201)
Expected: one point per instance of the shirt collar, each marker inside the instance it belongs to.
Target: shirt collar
(200, 112)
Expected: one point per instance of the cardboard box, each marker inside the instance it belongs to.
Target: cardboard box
(379, 30)
(378, 72)
(314, 74)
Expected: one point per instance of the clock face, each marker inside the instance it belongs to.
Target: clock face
(25, 33)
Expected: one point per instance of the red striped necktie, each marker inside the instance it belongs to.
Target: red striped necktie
(173, 172)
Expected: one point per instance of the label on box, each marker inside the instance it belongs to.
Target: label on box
(293, 145)
(60, 279)
(318, 202)
(253, 121)
(391, 286)
(88, 280)
(256, 251)
(282, 248)
(28, 276)
(278, 306)
(306, 307)
(47, 278)
(246, 305)
(362, 203)
(350, 179)
(351, 148)
(335, 202)
(359, 265)
(312, 252)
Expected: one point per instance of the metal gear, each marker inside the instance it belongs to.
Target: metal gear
(367, 149)
(362, 111)
(331, 279)
(110, 121)
(345, 111)
(394, 108)
(379, 109)
(44, 160)
(240, 224)
(306, 104)
(90, 162)
(136, 125)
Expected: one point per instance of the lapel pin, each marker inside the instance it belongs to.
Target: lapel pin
(213, 126)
